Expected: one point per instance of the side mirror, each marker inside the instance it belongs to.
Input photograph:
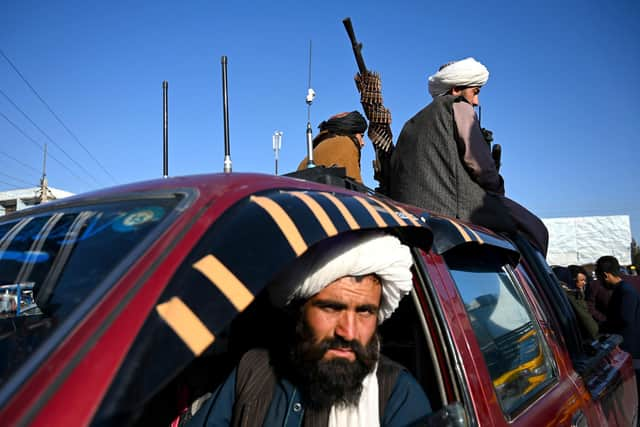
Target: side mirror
(452, 415)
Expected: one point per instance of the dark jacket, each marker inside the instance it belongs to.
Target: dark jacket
(426, 166)
(623, 317)
(431, 168)
(406, 405)
(598, 297)
(588, 325)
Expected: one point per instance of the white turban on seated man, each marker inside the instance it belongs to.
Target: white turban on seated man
(464, 73)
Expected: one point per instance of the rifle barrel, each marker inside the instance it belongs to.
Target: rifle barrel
(357, 47)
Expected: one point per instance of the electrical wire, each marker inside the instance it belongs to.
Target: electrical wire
(42, 149)
(56, 116)
(48, 137)
(21, 162)
(7, 183)
(22, 181)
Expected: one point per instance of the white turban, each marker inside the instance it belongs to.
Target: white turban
(349, 255)
(466, 72)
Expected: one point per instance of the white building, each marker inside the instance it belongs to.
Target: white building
(582, 240)
(18, 199)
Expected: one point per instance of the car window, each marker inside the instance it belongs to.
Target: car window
(51, 262)
(510, 340)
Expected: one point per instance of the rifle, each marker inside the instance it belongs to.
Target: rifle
(370, 89)
(357, 47)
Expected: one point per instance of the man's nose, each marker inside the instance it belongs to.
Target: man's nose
(346, 326)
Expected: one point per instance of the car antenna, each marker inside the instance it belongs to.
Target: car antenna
(225, 107)
(309, 100)
(165, 129)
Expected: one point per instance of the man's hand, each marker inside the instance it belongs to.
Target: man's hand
(488, 135)
(496, 154)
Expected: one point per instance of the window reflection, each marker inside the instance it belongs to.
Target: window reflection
(508, 337)
(51, 263)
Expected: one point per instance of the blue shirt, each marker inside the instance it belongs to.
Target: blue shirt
(408, 404)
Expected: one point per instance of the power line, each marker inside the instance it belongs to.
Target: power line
(42, 149)
(22, 181)
(7, 183)
(48, 137)
(20, 162)
(56, 116)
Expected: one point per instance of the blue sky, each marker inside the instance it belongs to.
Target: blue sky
(562, 98)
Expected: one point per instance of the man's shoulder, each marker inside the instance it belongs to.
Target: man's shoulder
(441, 107)
(255, 362)
(386, 363)
(628, 289)
(335, 142)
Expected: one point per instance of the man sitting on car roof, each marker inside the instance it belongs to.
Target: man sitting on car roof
(331, 372)
(444, 162)
(339, 144)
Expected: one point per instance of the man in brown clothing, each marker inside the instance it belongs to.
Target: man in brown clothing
(339, 143)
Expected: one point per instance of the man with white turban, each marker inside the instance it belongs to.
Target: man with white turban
(442, 161)
(330, 372)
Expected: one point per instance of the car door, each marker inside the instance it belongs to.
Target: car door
(512, 373)
(600, 366)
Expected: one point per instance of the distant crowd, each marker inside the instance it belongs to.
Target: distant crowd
(606, 300)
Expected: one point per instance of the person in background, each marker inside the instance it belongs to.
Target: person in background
(576, 295)
(623, 311)
(339, 143)
(579, 279)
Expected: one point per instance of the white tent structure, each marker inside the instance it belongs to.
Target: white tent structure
(582, 240)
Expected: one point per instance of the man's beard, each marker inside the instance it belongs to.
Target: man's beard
(337, 381)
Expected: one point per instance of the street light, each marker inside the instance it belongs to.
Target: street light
(277, 144)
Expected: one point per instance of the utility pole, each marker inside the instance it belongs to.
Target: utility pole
(45, 193)
(277, 145)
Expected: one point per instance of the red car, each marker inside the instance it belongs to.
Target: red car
(125, 305)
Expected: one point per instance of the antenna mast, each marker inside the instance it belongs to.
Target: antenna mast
(225, 106)
(309, 99)
(277, 145)
(165, 129)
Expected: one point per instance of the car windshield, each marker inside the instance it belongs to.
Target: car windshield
(51, 263)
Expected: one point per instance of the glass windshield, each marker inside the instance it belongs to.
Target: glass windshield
(51, 262)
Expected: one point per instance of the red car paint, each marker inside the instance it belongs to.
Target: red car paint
(70, 386)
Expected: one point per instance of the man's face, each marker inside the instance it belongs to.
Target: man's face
(605, 278)
(471, 94)
(336, 345)
(581, 281)
(360, 139)
(345, 311)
